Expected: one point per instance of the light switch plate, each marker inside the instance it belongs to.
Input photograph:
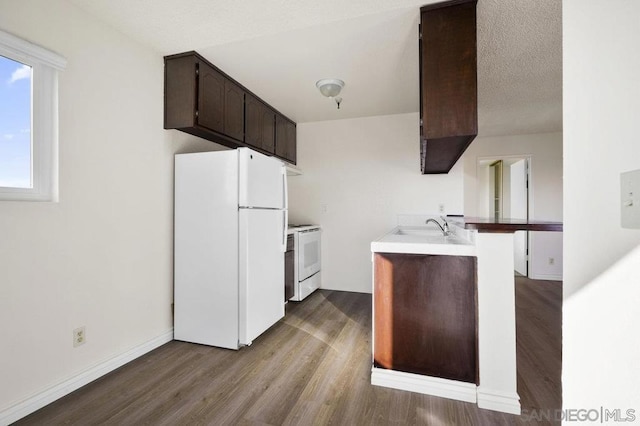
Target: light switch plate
(630, 199)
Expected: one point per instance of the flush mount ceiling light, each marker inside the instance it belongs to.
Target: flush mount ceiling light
(331, 87)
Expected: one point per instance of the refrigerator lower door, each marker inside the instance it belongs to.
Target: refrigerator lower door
(261, 272)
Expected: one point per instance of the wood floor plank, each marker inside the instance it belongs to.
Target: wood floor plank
(313, 367)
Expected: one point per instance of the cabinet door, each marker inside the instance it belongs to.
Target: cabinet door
(211, 98)
(259, 124)
(253, 127)
(285, 139)
(291, 142)
(233, 110)
(281, 137)
(268, 130)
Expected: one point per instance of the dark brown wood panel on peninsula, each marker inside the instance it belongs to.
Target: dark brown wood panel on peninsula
(426, 315)
(200, 99)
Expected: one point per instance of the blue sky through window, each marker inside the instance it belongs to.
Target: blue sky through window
(15, 124)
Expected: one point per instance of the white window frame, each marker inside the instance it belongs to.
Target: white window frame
(45, 65)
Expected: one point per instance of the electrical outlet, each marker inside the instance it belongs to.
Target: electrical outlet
(552, 261)
(79, 336)
(323, 207)
(441, 208)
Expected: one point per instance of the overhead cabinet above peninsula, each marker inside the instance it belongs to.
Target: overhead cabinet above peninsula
(202, 100)
(448, 83)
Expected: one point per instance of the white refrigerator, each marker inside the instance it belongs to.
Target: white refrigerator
(229, 243)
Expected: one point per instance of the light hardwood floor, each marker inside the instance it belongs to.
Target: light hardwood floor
(312, 367)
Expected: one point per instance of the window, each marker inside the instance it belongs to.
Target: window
(15, 124)
(28, 120)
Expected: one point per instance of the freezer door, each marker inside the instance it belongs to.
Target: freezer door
(261, 272)
(262, 180)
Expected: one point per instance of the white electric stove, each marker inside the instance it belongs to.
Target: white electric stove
(306, 244)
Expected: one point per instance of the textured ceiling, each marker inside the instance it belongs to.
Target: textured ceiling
(280, 48)
(519, 66)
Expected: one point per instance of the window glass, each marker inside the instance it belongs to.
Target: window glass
(15, 124)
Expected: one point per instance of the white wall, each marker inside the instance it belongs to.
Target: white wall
(601, 92)
(102, 256)
(365, 171)
(545, 190)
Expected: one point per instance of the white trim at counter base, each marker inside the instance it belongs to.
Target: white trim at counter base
(427, 385)
(506, 402)
(452, 389)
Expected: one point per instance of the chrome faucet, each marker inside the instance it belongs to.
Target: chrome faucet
(444, 229)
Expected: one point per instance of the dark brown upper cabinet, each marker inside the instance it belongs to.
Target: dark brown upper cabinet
(448, 83)
(269, 130)
(260, 125)
(286, 139)
(202, 100)
(233, 110)
(211, 98)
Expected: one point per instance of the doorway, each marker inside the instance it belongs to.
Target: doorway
(504, 194)
(496, 194)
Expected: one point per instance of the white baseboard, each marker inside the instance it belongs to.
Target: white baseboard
(39, 400)
(546, 277)
(436, 386)
(499, 401)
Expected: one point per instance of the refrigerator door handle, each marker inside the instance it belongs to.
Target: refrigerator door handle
(285, 221)
(285, 216)
(285, 188)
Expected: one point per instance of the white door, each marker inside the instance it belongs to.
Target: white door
(261, 275)
(262, 180)
(496, 190)
(519, 205)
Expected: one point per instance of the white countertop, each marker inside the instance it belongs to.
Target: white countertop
(424, 240)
